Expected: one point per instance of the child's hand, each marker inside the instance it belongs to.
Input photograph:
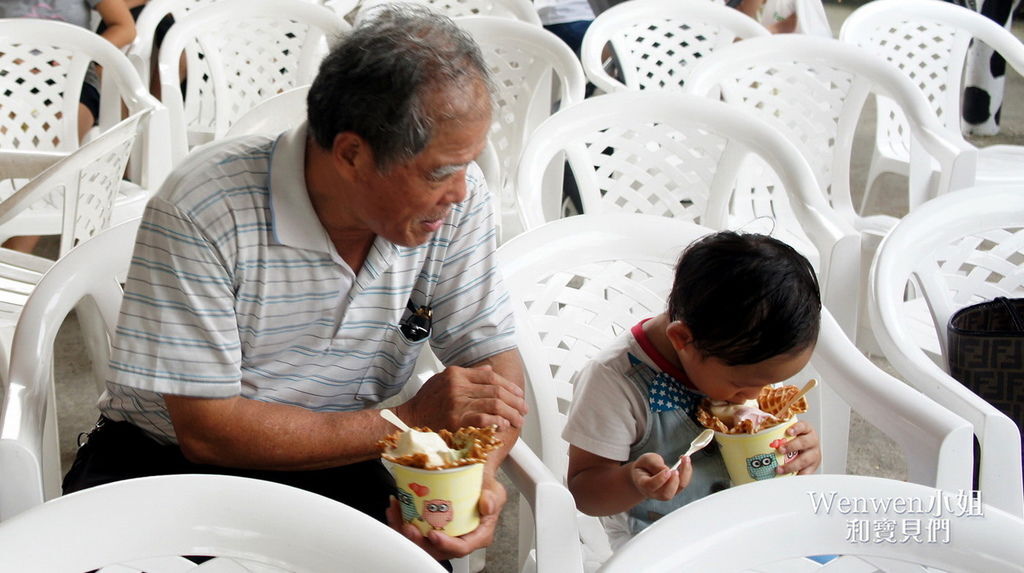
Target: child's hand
(807, 447)
(653, 479)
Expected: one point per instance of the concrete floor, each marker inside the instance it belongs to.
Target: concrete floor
(870, 453)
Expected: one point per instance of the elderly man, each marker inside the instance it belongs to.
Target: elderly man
(280, 288)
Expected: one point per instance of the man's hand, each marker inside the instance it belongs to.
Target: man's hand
(807, 447)
(654, 480)
(441, 546)
(458, 397)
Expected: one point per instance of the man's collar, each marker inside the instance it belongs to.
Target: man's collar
(294, 220)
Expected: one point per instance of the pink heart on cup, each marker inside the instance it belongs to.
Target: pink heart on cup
(419, 489)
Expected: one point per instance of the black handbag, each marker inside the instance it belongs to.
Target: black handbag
(986, 354)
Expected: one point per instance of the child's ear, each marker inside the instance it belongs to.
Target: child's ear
(679, 335)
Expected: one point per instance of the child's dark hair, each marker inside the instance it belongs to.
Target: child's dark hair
(746, 297)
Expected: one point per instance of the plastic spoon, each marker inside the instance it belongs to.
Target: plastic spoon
(807, 387)
(698, 443)
(394, 419)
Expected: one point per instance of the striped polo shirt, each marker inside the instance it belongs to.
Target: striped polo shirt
(235, 289)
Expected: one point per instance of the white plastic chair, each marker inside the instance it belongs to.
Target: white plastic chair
(770, 525)
(83, 187)
(956, 250)
(250, 50)
(812, 91)
(535, 74)
(149, 524)
(29, 452)
(682, 156)
(521, 10)
(656, 42)
(44, 64)
(928, 41)
(579, 282)
(140, 52)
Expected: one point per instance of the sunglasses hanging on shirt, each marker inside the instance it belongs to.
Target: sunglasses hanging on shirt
(417, 325)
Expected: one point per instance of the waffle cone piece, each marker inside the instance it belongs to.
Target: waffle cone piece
(475, 443)
(770, 400)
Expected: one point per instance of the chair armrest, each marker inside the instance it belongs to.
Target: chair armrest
(554, 511)
(935, 440)
(20, 452)
(16, 164)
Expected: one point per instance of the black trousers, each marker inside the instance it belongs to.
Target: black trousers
(120, 450)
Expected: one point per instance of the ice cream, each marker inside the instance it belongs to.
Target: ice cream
(422, 448)
(732, 414)
(427, 443)
(753, 415)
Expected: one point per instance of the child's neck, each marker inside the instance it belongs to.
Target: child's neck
(655, 330)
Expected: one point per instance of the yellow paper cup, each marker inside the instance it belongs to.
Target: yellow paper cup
(752, 457)
(443, 500)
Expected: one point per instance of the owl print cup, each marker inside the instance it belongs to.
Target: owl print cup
(442, 500)
(752, 457)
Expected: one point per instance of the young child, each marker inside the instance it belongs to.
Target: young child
(743, 313)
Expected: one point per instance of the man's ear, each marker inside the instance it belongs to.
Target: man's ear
(349, 152)
(679, 335)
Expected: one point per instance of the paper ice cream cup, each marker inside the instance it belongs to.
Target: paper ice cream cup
(752, 457)
(442, 500)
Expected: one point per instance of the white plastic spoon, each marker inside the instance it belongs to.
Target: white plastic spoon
(698, 443)
(394, 419)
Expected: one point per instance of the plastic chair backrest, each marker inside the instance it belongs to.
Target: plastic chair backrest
(521, 10)
(29, 454)
(688, 157)
(578, 283)
(956, 250)
(141, 50)
(928, 42)
(44, 65)
(273, 115)
(239, 53)
(777, 522)
(82, 186)
(245, 524)
(535, 74)
(656, 42)
(813, 90)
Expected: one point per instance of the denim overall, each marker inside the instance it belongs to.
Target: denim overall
(670, 428)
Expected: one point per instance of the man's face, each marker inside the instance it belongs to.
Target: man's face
(410, 201)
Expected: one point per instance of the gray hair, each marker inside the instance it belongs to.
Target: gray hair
(377, 80)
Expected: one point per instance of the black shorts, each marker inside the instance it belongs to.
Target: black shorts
(90, 98)
(120, 450)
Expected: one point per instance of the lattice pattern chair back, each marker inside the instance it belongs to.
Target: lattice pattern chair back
(927, 41)
(677, 155)
(44, 64)
(244, 52)
(141, 50)
(813, 91)
(954, 251)
(535, 74)
(36, 113)
(521, 10)
(656, 42)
